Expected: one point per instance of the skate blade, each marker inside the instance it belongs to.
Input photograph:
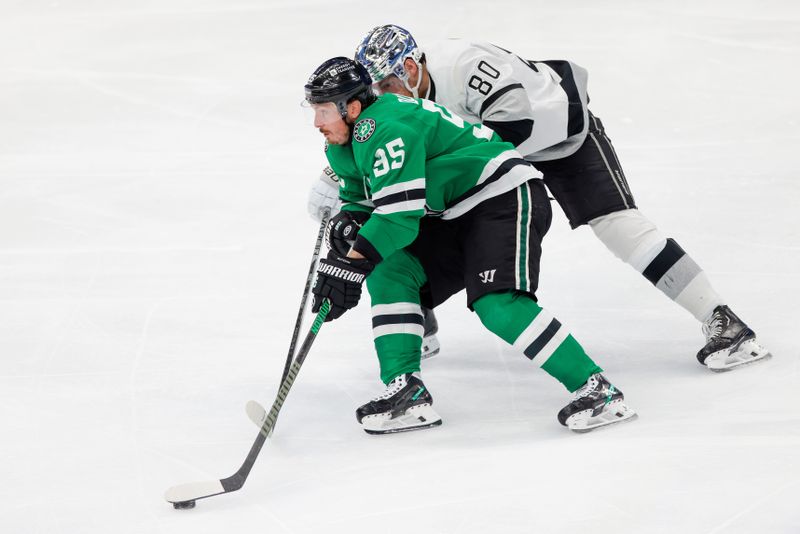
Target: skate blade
(748, 352)
(415, 418)
(430, 347)
(616, 412)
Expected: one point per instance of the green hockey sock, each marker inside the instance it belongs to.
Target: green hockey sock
(517, 319)
(397, 323)
(398, 354)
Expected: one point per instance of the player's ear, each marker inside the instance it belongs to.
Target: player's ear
(411, 67)
(353, 111)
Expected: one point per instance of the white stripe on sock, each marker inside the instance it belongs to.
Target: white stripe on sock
(400, 328)
(533, 330)
(396, 308)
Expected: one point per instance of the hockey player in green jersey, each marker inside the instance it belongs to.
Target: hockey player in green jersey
(433, 205)
(324, 199)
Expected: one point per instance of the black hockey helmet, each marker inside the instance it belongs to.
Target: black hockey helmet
(340, 80)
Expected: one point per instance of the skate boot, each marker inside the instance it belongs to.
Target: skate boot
(405, 405)
(430, 344)
(597, 403)
(729, 342)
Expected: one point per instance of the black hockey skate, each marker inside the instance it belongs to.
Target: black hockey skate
(597, 403)
(729, 342)
(405, 405)
(430, 343)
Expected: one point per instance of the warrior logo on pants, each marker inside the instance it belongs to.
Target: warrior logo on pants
(487, 277)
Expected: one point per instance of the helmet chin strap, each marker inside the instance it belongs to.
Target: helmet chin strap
(414, 90)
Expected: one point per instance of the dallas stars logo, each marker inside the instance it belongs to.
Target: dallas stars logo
(363, 130)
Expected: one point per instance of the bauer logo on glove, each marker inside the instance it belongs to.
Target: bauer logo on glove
(328, 173)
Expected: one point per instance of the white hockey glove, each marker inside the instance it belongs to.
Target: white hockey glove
(324, 194)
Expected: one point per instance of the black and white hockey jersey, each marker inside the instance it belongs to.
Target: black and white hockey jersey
(539, 106)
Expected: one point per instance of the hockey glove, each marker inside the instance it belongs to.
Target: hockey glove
(339, 280)
(341, 232)
(324, 194)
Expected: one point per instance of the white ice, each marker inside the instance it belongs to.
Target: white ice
(154, 165)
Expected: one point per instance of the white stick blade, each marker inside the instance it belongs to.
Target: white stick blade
(256, 413)
(193, 490)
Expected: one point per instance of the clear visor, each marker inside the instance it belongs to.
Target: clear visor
(390, 84)
(320, 114)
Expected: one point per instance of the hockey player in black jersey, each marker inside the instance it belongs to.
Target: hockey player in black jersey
(542, 108)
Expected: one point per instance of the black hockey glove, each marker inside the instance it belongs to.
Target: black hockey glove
(341, 232)
(339, 280)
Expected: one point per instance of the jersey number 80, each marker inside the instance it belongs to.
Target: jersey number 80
(478, 83)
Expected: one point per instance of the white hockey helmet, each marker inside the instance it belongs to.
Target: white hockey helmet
(384, 49)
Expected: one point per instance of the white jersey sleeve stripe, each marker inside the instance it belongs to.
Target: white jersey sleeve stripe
(418, 183)
(398, 207)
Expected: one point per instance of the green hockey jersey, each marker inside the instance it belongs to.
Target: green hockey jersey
(412, 157)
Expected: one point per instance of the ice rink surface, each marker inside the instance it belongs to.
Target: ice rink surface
(154, 165)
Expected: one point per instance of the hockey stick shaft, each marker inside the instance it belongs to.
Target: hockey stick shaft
(286, 383)
(187, 493)
(311, 269)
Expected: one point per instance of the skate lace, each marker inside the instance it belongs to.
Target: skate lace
(392, 388)
(713, 327)
(587, 388)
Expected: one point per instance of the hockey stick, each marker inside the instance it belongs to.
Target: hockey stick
(326, 213)
(185, 495)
